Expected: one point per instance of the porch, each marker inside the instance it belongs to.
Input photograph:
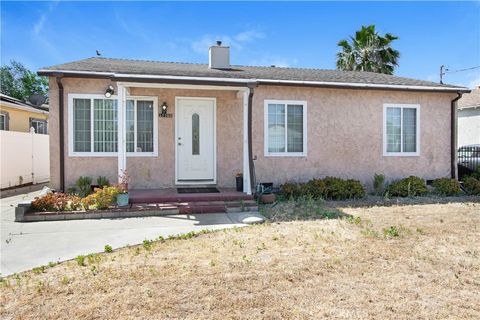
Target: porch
(200, 137)
(169, 199)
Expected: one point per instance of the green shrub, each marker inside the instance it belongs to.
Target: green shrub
(446, 187)
(108, 248)
(103, 181)
(335, 188)
(327, 188)
(472, 186)
(408, 187)
(102, 198)
(316, 188)
(84, 186)
(379, 183)
(290, 190)
(354, 189)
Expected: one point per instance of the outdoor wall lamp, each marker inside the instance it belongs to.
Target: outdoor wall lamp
(164, 110)
(109, 91)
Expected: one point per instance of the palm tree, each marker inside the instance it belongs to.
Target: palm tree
(368, 51)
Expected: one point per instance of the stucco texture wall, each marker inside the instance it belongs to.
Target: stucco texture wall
(19, 120)
(345, 135)
(152, 172)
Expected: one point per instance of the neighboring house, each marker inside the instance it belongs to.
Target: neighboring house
(185, 124)
(24, 153)
(469, 118)
(16, 115)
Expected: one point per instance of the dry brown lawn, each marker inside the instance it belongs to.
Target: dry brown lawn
(339, 268)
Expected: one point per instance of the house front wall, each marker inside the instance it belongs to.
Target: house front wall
(151, 171)
(19, 120)
(344, 136)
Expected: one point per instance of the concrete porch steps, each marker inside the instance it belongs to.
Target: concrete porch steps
(191, 207)
(162, 196)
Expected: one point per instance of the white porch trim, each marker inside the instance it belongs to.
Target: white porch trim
(122, 87)
(246, 163)
(122, 132)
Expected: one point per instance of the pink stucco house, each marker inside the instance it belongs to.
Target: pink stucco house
(200, 124)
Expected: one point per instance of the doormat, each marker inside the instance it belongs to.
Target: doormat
(198, 190)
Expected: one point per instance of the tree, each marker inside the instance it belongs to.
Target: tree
(368, 51)
(20, 83)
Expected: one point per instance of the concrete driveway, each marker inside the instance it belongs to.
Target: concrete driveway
(32, 244)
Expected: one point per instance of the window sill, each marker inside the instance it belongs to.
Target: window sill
(286, 154)
(401, 154)
(110, 155)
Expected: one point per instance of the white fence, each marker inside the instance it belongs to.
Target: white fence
(25, 158)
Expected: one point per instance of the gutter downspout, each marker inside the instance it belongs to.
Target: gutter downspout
(250, 136)
(453, 136)
(62, 133)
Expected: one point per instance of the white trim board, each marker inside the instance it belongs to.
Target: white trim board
(177, 119)
(418, 130)
(265, 128)
(70, 133)
(266, 81)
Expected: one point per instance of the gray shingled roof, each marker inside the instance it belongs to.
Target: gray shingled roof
(470, 100)
(140, 67)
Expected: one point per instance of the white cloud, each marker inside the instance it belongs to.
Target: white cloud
(274, 60)
(38, 26)
(237, 41)
(249, 35)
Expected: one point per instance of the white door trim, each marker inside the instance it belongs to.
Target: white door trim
(214, 100)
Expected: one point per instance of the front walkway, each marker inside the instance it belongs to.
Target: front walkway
(32, 244)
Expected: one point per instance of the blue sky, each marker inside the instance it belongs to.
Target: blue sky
(260, 33)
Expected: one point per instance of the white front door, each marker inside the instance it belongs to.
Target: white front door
(195, 140)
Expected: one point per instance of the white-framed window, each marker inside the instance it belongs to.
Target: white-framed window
(39, 125)
(401, 129)
(93, 125)
(4, 120)
(285, 128)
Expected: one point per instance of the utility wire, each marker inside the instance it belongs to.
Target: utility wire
(460, 70)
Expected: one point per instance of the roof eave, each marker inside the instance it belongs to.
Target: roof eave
(236, 81)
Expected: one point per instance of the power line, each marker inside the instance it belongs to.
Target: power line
(460, 70)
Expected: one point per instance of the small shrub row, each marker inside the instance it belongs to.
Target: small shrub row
(447, 187)
(327, 188)
(472, 185)
(408, 187)
(101, 199)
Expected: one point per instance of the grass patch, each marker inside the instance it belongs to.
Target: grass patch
(276, 270)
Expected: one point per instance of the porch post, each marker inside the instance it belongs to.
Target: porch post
(246, 157)
(122, 155)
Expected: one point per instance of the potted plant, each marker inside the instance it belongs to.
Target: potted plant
(239, 181)
(122, 196)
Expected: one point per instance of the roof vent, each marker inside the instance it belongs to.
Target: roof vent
(219, 56)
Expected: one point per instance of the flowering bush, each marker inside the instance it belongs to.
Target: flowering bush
(57, 202)
(123, 185)
(102, 198)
